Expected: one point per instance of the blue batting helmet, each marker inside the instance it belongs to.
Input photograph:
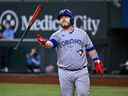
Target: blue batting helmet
(66, 12)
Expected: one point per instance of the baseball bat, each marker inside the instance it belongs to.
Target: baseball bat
(35, 15)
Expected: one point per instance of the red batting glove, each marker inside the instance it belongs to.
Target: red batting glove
(41, 40)
(99, 67)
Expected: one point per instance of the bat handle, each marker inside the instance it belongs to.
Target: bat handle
(17, 45)
(21, 39)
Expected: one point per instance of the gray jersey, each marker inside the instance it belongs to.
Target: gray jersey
(69, 47)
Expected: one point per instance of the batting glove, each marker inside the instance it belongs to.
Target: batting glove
(41, 40)
(99, 67)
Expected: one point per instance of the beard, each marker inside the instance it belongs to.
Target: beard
(65, 23)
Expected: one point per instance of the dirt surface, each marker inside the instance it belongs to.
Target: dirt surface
(53, 79)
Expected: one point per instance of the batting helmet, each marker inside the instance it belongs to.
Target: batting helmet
(66, 12)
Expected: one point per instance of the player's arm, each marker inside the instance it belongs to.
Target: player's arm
(90, 49)
(45, 42)
(98, 63)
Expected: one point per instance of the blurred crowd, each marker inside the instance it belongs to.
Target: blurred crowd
(33, 62)
(6, 32)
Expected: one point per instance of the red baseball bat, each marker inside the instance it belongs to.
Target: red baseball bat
(35, 15)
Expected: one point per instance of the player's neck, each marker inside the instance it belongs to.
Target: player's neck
(69, 29)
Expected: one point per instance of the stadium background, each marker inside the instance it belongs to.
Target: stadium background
(110, 38)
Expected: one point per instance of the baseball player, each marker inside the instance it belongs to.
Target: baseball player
(72, 44)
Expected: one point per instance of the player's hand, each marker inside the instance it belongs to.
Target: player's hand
(44, 42)
(41, 40)
(99, 67)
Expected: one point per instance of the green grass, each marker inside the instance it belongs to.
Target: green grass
(53, 90)
(28, 90)
(109, 91)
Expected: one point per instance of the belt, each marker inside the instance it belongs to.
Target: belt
(72, 69)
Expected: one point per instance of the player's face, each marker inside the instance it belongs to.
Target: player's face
(65, 21)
